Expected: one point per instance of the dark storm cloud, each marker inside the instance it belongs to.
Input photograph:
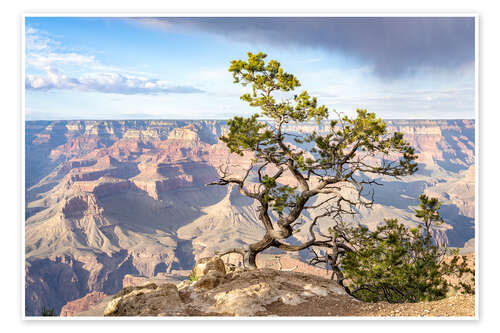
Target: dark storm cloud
(395, 46)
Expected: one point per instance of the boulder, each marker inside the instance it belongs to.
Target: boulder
(206, 265)
(210, 280)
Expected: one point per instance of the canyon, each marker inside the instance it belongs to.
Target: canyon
(107, 202)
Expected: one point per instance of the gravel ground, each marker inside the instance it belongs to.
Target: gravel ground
(455, 306)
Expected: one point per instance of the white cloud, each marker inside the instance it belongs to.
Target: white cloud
(44, 54)
(49, 59)
(311, 60)
(442, 93)
(37, 40)
(105, 83)
(153, 22)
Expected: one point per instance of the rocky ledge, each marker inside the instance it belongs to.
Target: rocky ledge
(263, 292)
(217, 289)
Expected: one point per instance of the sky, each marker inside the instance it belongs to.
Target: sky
(177, 67)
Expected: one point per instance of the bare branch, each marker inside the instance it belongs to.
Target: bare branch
(320, 204)
(241, 251)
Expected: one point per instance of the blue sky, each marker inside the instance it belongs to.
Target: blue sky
(177, 68)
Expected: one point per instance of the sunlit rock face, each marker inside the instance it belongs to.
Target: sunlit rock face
(106, 199)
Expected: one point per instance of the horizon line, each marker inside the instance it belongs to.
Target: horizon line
(216, 119)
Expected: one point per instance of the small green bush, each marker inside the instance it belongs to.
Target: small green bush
(397, 264)
(193, 277)
(47, 312)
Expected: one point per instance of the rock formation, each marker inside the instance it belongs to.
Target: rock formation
(263, 292)
(82, 304)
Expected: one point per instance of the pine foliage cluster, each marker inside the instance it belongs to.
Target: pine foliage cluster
(398, 264)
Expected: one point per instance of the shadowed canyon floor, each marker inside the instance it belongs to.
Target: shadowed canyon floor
(107, 200)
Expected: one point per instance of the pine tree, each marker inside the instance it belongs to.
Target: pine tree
(335, 165)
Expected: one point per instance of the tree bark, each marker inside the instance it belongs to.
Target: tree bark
(256, 248)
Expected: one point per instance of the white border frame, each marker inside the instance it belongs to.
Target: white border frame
(254, 13)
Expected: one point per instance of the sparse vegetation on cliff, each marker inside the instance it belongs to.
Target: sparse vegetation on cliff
(48, 312)
(397, 264)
